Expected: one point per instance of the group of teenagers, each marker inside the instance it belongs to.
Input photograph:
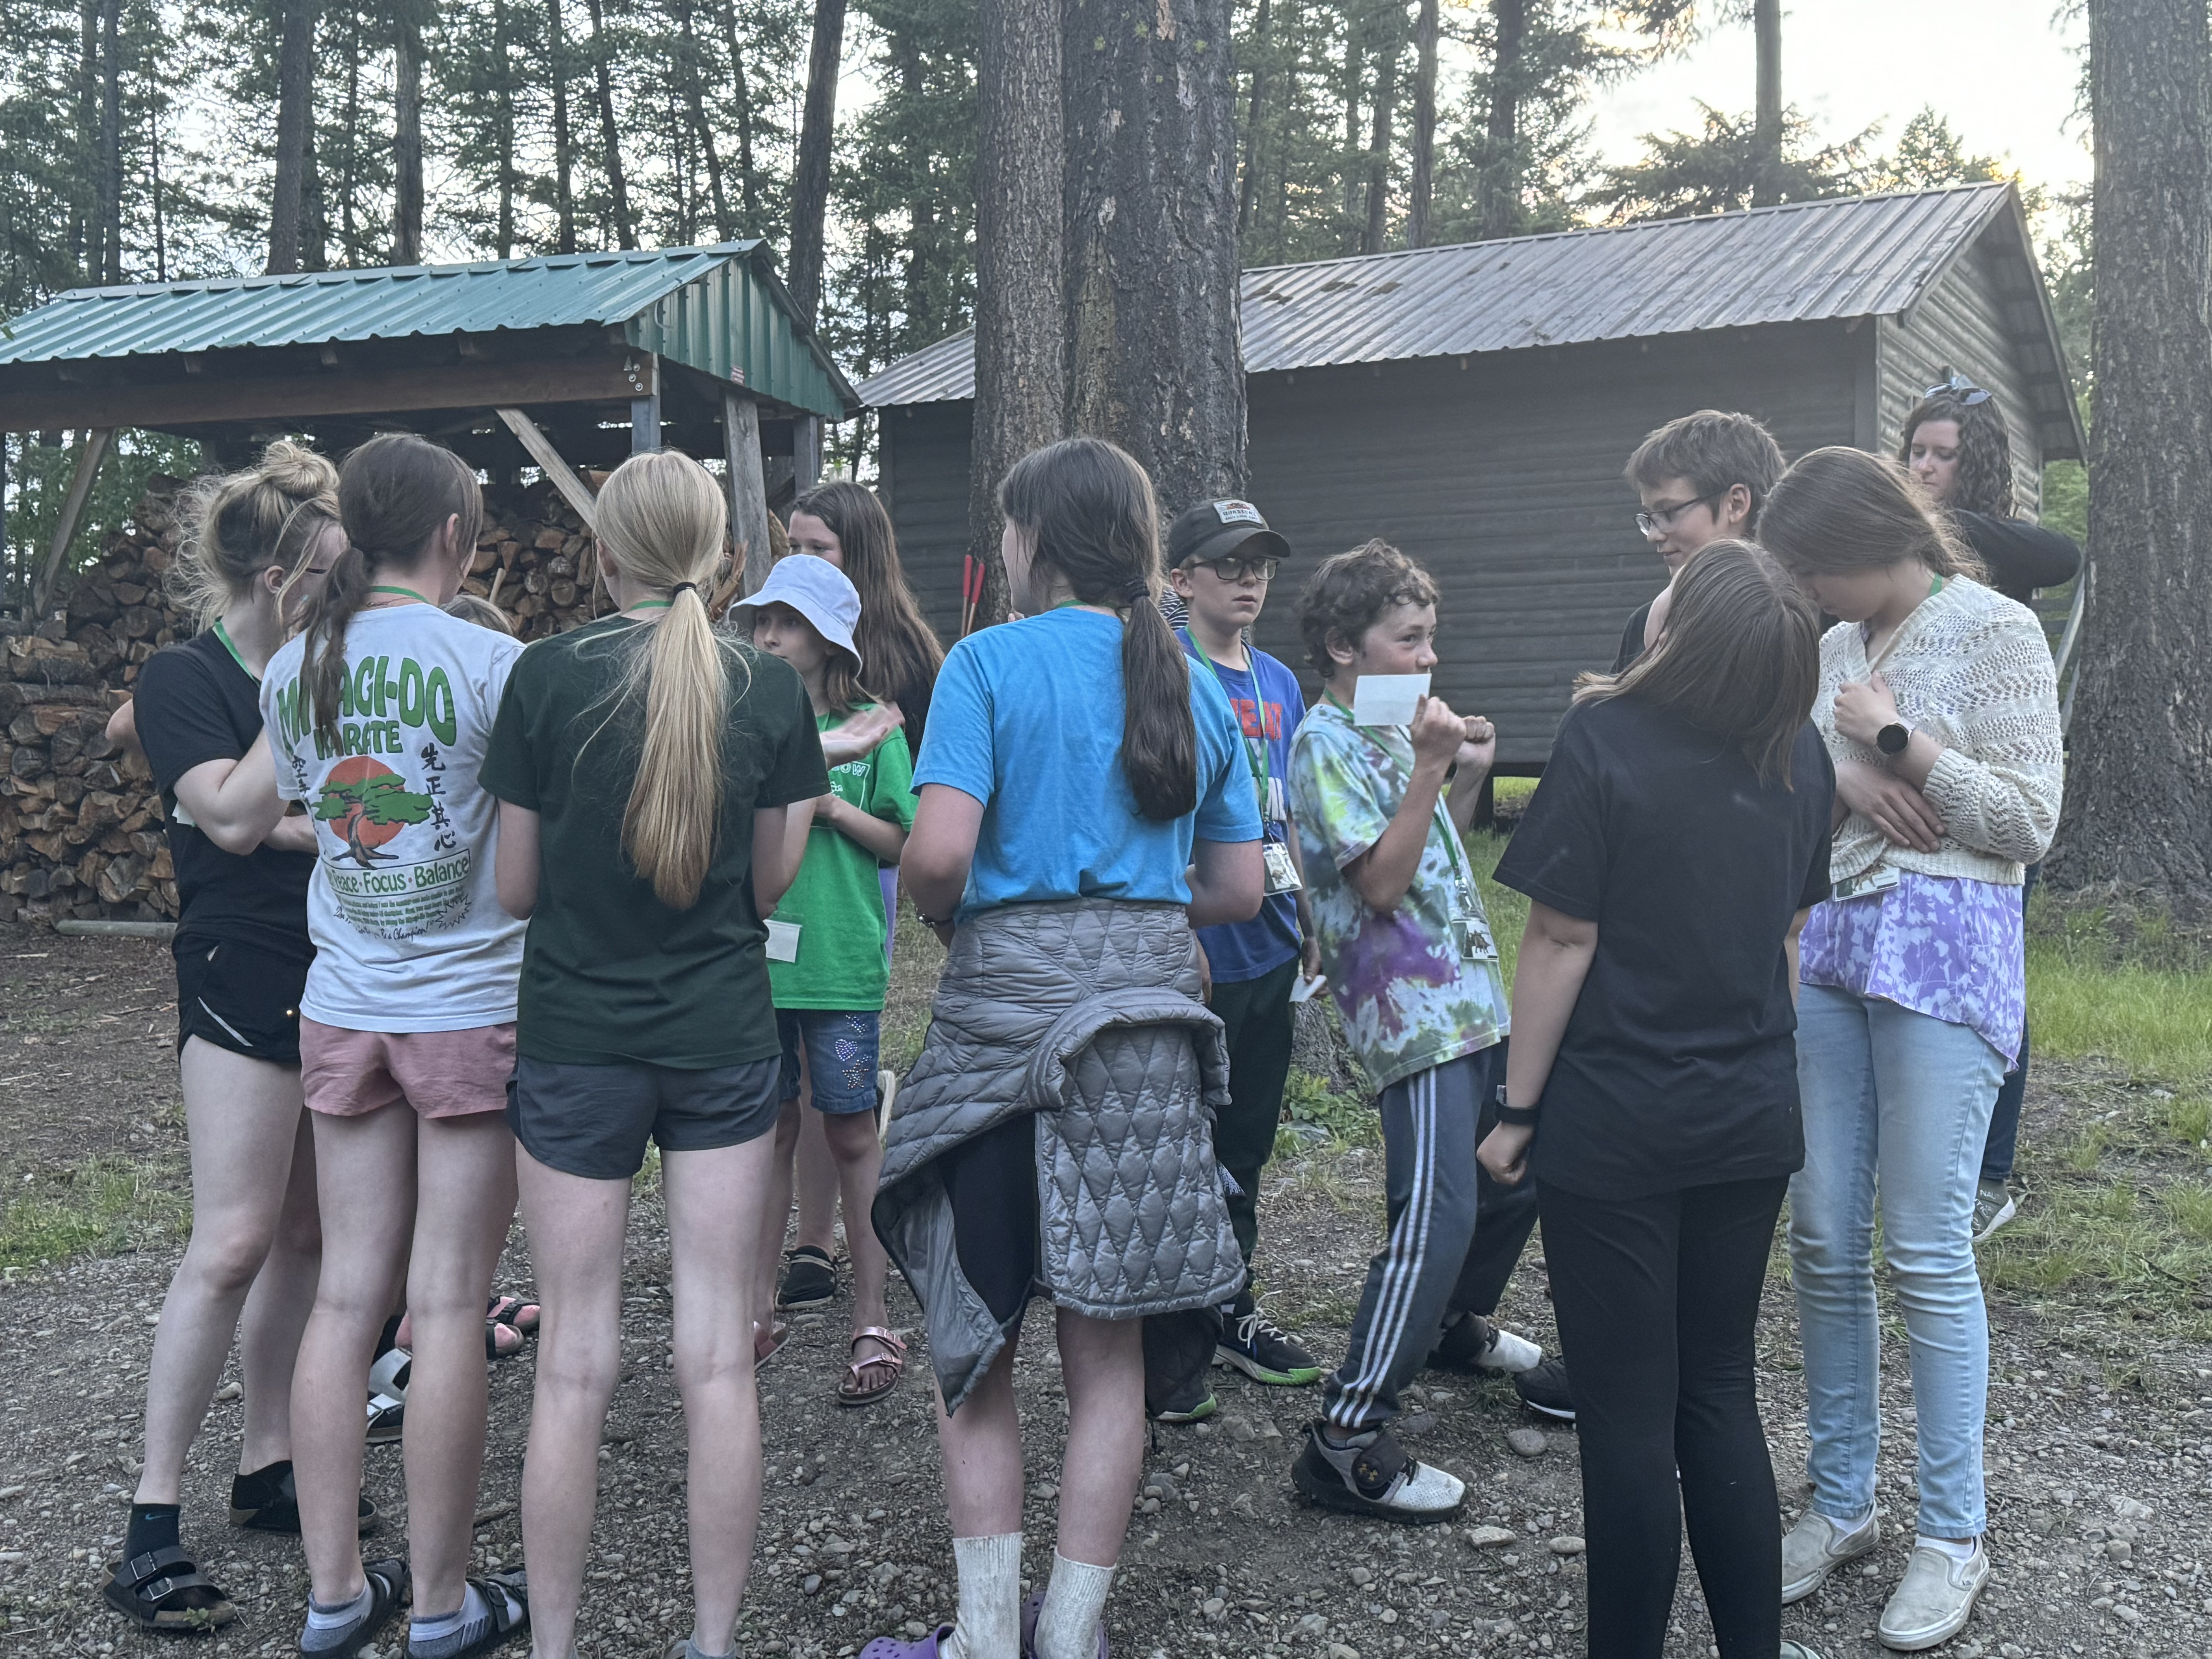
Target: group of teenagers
(465, 923)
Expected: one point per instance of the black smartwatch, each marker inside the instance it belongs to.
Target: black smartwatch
(1892, 737)
(1520, 1117)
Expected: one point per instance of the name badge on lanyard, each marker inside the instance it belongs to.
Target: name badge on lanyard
(1282, 874)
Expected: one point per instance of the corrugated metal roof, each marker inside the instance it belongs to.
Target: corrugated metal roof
(713, 307)
(1804, 262)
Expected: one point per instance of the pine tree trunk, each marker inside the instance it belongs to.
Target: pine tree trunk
(407, 137)
(2139, 764)
(809, 179)
(348, 241)
(1021, 319)
(702, 133)
(1422, 185)
(905, 52)
(1152, 241)
(748, 190)
(109, 240)
(1498, 188)
(1388, 49)
(154, 182)
(1766, 121)
(1355, 66)
(85, 251)
(295, 71)
(609, 136)
(1249, 183)
(503, 127)
(564, 155)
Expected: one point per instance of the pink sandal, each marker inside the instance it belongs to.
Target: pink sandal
(853, 1389)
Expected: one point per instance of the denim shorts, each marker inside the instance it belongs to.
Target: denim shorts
(840, 1045)
(594, 1120)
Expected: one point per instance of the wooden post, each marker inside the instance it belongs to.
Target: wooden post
(88, 457)
(573, 489)
(806, 452)
(748, 490)
(643, 371)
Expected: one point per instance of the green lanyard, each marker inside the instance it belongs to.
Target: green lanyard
(1255, 753)
(1460, 875)
(405, 593)
(231, 646)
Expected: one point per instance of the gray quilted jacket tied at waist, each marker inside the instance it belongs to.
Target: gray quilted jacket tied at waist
(1084, 1013)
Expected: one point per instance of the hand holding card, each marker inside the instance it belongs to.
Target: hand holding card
(1387, 699)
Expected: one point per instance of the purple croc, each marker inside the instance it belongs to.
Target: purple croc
(1031, 1607)
(889, 1647)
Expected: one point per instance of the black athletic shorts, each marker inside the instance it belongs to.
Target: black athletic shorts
(244, 997)
(594, 1120)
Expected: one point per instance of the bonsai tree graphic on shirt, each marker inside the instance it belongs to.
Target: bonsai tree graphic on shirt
(366, 803)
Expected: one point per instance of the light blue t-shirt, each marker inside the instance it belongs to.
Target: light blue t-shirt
(1026, 717)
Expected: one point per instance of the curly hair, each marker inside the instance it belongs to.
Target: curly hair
(1349, 593)
(1984, 480)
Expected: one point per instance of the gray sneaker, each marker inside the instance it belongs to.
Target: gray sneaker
(1993, 1205)
(1933, 1603)
(1798, 1650)
(1815, 1547)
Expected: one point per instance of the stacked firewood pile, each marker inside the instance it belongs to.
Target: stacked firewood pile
(80, 824)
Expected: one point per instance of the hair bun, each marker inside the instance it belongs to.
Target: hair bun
(297, 470)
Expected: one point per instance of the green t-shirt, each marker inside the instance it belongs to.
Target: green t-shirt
(838, 899)
(610, 974)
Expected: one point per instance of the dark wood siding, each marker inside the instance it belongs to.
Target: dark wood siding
(925, 485)
(1970, 321)
(1504, 479)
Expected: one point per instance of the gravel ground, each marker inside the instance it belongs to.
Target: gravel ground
(2100, 1451)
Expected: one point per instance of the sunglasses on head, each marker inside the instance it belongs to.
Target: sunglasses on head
(1961, 391)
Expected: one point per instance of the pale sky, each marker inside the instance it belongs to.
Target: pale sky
(2003, 70)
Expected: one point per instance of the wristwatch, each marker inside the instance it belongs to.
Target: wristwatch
(1520, 1117)
(1892, 737)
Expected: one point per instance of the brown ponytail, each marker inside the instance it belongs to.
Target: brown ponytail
(275, 513)
(1840, 510)
(662, 517)
(1088, 509)
(395, 493)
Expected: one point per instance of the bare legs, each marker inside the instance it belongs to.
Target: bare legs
(1102, 1365)
(817, 1186)
(256, 1245)
(776, 1206)
(858, 1156)
(430, 1199)
(576, 1226)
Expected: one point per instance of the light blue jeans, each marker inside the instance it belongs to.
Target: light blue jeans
(1901, 1101)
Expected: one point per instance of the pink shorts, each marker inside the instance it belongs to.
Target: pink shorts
(439, 1073)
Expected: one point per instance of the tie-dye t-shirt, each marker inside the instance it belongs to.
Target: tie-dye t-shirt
(1410, 1000)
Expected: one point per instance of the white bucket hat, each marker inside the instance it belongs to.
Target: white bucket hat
(817, 591)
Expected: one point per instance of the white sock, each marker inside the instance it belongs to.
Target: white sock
(1074, 1598)
(1961, 1553)
(989, 1623)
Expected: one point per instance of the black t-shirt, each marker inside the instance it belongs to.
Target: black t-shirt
(1679, 1067)
(611, 975)
(196, 703)
(1631, 638)
(2020, 556)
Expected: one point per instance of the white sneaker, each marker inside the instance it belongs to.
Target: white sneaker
(1993, 1205)
(1931, 1606)
(1815, 1547)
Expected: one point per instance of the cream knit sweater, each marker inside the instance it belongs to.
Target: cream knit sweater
(1973, 670)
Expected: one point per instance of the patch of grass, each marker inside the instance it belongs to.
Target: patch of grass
(104, 1206)
(1321, 1119)
(2189, 1120)
(2191, 1207)
(1505, 789)
(2121, 984)
(1508, 910)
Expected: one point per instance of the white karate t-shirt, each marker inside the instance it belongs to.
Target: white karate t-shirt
(408, 928)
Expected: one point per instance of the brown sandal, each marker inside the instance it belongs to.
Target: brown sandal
(853, 1389)
(768, 1341)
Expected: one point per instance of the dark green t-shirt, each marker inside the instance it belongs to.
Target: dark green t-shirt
(610, 974)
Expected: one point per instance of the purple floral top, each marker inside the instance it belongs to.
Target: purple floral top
(1947, 946)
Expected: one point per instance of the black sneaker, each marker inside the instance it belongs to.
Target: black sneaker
(1544, 1388)
(1372, 1475)
(810, 1279)
(1472, 1343)
(1250, 1342)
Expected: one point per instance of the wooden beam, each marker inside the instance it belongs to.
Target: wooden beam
(644, 403)
(748, 491)
(806, 452)
(209, 398)
(573, 489)
(89, 455)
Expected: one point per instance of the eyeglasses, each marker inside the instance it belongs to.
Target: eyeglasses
(1234, 569)
(1961, 391)
(1662, 519)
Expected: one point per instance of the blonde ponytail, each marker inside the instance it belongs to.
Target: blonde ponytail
(662, 517)
(240, 524)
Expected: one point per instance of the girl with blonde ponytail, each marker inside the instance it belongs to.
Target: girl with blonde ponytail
(656, 779)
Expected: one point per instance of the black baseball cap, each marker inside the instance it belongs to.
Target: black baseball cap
(1214, 530)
